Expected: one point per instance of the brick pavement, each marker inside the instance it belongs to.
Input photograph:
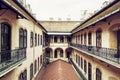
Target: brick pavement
(59, 70)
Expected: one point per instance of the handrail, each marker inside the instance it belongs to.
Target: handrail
(10, 57)
(106, 53)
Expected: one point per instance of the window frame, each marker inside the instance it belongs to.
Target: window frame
(98, 74)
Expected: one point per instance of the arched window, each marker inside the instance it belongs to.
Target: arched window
(48, 53)
(68, 39)
(38, 63)
(81, 39)
(38, 40)
(21, 38)
(35, 39)
(55, 39)
(41, 39)
(5, 39)
(61, 39)
(98, 74)
(89, 71)
(76, 58)
(31, 39)
(85, 39)
(81, 62)
(35, 66)
(85, 67)
(89, 38)
(98, 38)
(23, 75)
(25, 38)
(41, 59)
(31, 71)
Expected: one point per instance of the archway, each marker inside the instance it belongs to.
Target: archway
(49, 52)
(68, 52)
(58, 53)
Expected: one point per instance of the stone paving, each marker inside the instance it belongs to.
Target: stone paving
(58, 70)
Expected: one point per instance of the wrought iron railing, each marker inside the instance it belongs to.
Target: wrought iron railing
(82, 77)
(11, 57)
(107, 53)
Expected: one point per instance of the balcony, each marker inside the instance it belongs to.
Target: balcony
(104, 53)
(16, 58)
(59, 44)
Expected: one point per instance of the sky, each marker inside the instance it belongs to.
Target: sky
(45, 9)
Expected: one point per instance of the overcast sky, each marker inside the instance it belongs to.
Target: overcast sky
(45, 9)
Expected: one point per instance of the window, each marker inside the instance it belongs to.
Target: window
(5, 39)
(23, 75)
(41, 39)
(98, 74)
(25, 38)
(21, 38)
(81, 63)
(61, 53)
(89, 71)
(81, 39)
(31, 39)
(38, 40)
(35, 66)
(31, 71)
(85, 39)
(78, 39)
(79, 60)
(85, 68)
(68, 39)
(61, 39)
(35, 39)
(48, 53)
(98, 38)
(55, 39)
(76, 58)
(41, 59)
(38, 63)
(89, 38)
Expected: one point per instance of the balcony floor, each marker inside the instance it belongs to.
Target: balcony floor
(58, 70)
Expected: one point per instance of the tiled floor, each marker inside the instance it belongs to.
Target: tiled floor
(59, 70)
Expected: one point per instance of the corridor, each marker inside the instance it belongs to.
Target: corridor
(58, 70)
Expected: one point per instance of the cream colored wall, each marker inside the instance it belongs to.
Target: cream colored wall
(109, 40)
(109, 36)
(32, 53)
(54, 46)
(106, 69)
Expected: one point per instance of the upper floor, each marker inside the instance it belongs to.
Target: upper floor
(18, 35)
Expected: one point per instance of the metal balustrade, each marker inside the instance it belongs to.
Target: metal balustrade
(106, 53)
(15, 56)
